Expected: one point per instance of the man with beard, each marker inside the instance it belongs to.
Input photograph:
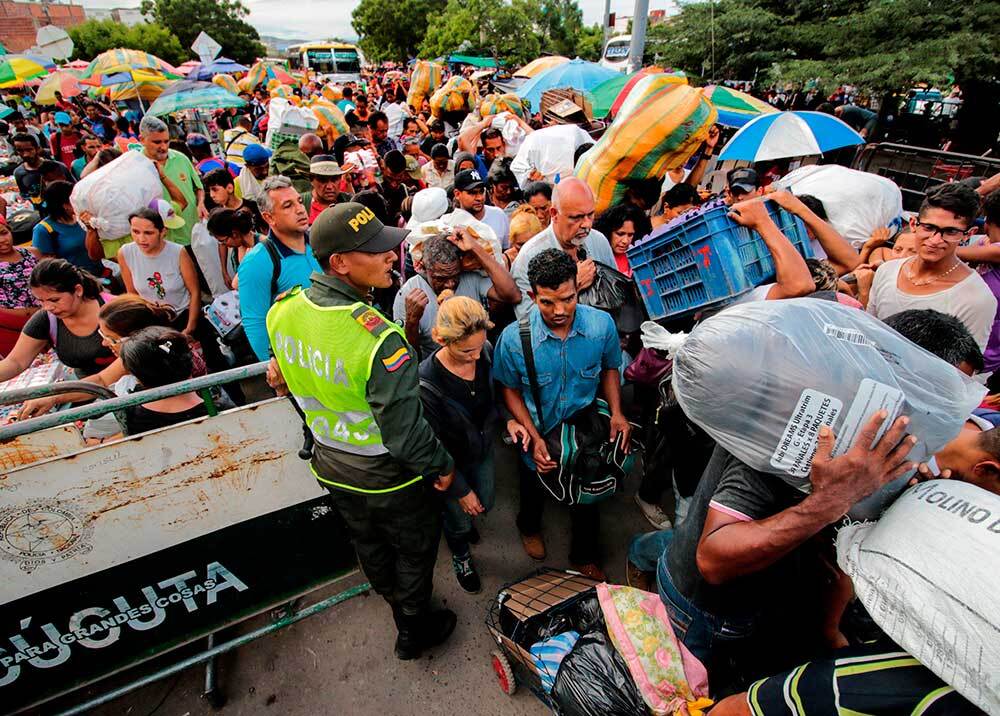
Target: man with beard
(570, 230)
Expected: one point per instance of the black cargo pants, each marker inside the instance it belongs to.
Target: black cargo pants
(396, 535)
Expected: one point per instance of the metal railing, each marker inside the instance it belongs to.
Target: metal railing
(916, 170)
(115, 405)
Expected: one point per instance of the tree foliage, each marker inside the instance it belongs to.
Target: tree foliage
(93, 37)
(394, 29)
(875, 44)
(504, 30)
(590, 43)
(224, 20)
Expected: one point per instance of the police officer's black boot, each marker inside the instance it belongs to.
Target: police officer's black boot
(421, 631)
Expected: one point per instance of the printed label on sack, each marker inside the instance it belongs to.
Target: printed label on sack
(871, 397)
(798, 443)
(847, 334)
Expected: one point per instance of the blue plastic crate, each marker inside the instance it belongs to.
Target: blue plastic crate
(707, 260)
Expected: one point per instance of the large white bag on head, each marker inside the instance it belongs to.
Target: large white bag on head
(762, 378)
(928, 572)
(856, 202)
(549, 151)
(116, 190)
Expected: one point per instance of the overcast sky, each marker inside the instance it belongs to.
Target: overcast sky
(319, 19)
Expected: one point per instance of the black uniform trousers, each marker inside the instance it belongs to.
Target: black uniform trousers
(396, 535)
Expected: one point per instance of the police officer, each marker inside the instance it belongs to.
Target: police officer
(354, 376)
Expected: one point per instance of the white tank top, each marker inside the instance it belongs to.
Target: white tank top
(158, 278)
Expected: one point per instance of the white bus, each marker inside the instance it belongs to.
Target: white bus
(328, 61)
(616, 53)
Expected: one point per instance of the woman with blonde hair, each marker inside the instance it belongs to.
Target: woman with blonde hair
(456, 388)
(523, 225)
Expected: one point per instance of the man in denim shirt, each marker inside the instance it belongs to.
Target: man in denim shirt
(576, 352)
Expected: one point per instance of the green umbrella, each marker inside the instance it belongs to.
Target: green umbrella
(605, 94)
(191, 94)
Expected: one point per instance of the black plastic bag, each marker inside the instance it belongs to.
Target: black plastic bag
(609, 290)
(593, 680)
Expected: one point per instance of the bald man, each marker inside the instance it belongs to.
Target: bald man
(311, 145)
(570, 230)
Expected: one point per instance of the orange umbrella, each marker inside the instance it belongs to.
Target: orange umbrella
(537, 67)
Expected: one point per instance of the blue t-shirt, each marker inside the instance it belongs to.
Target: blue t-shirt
(569, 370)
(255, 273)
(67, 241)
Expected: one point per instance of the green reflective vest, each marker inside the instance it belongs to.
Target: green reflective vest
(325, 354)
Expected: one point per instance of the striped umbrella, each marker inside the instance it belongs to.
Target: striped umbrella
(735, 108)
(193, 94)
(146, 90)
(536, 67)
(227, 83)
(15, 69)
(262, 72)
(65, 83)
(124, 60)
(789, 134)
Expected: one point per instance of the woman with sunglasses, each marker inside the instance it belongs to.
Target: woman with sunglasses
(936, 277)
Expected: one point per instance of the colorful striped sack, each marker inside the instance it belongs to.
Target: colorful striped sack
(658, 128)
(226, 82)
(497, 103)
(332, 122)
(458, 94)
(332, 93)
(426, 78)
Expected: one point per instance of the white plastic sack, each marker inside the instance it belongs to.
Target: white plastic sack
(762, 378)
(206, 251)
(513, 133)
(927, 573)
(116, 190)
(856, 202)
(285, 118)
(549, 151)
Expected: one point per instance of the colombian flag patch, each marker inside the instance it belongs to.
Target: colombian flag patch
(397, 360)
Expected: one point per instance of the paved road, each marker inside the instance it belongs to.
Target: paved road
(341, 661)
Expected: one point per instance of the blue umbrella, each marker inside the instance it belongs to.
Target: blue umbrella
(789, 134)
(218, 66)
(576, 74)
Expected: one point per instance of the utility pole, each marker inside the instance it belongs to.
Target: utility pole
(639, 19)
(607, 23)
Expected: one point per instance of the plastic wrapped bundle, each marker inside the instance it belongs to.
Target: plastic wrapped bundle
(660, 125)
(116, 190)
(549, 151)
(762, 378)
(426, 78)
(457, 95)
(497, 103)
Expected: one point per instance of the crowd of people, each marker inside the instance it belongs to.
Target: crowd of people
(418, 301)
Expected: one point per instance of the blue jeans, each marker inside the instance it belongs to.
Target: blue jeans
(701, 632)
(457, 524)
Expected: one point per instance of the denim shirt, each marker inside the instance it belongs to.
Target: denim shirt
(569, 370)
